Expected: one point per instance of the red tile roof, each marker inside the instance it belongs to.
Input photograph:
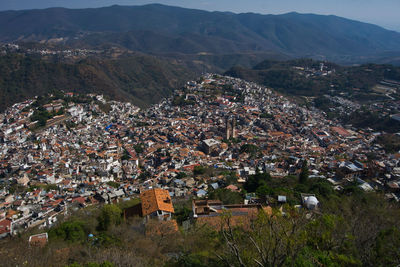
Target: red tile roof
(5, 226)
(154, 200)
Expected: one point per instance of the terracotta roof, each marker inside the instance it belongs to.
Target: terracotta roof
(341, 131)
(81, 200)
(154, 200)
(275, 134)
(190, 167)
(39, 240)
(55, 202)
(232, 187)
(5, 226)
(11, 213)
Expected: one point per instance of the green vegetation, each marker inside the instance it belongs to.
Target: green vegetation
(140, 79)
(183, 210)
(291, 186)
(303, 177)
(225, 34)
(390, 142)
(230, 177)
(41, 115)
(113, 184)
(144, 175)
(139, 148)
(253, 182)
(141, 124)
(125, 156)
(16, 188)
(180, 101)
(281, 76)
(129, 203)
(71, 231)
(350, 230)
(249, 148)
(92, 264)
(46, 187)
(364, 119)
(353, 83)
(264, 190)
(110, 215)
(181, 175)
(199, 170)
(106, 108)
(226, 196)
(266, 116)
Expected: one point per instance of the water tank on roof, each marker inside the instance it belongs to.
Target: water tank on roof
(312, 202)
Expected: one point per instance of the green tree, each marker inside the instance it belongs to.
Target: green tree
(264, 190)
(182, 213)
(303, 177)
(113, 184)
(192, 260)
(231, 178)
(125, 156)
(110, 215)
(72, 231)
(256, 180)
(139, 148)
(273, 240)
(226, 196)
(199, 170)
(321, 188)
(387, 248)
(249, 148)
(144, 175)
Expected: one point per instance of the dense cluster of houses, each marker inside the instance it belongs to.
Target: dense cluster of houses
(91, 156)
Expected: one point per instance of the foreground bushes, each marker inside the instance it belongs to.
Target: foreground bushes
(356, 230)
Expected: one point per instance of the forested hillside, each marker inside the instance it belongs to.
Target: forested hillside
(139, 79)
(303, 77)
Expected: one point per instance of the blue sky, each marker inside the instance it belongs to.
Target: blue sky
(385, 13)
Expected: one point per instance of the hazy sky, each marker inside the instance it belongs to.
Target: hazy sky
(385, 13)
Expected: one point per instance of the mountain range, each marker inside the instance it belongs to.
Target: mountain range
(159, 29)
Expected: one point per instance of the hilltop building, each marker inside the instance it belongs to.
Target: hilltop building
(210, 145)
(157, 203)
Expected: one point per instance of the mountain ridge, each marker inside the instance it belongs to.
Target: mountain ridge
(157, 28)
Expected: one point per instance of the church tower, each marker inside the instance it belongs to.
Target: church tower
(233, 125)
(228, 132)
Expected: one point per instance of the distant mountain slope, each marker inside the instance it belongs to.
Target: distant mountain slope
(164, 29)
(139, 79)
(356, 82)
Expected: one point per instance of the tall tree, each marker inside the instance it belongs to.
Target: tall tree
(304, 172)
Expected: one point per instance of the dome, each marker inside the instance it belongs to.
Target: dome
(312, 202)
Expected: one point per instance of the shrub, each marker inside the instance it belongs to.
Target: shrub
(110, 215)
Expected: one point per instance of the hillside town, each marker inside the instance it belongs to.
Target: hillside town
(102, 151)
(66, 54)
